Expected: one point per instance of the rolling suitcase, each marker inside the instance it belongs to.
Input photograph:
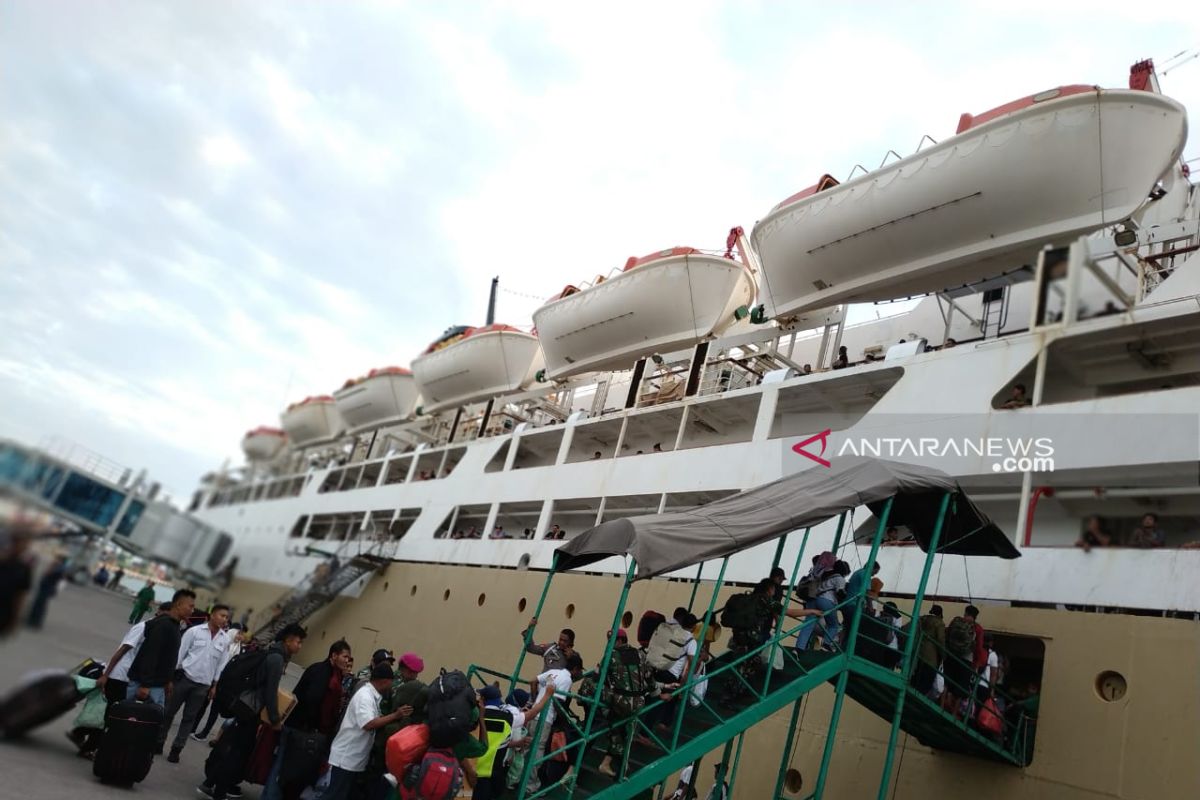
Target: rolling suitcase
(130, 739)
(38, 698)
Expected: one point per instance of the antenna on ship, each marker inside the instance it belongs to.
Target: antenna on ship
(491, 315)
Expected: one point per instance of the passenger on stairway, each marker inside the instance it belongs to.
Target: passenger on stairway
(554, 654)
(831, 590)
(932, 643)
(843, 359)
(1093, 535)
(1148, 534)
(1018, 399)
(680, 670)
(859, 583)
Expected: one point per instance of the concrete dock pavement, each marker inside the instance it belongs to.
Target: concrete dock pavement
(84, 622)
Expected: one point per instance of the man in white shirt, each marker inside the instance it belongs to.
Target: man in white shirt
(989, 672)
(351, 748)
(559, 681)
(203, 651)
(115, 680)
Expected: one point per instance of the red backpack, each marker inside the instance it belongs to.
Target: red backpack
(437, 777)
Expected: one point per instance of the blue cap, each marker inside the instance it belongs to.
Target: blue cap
(518, 698)
(490, 694)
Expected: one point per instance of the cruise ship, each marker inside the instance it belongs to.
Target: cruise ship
(1047, 360)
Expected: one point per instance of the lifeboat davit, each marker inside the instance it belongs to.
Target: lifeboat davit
(263, 443)
(661, 302)
(313, 419)
(389, 393)
(468, 364)
(1043, 169)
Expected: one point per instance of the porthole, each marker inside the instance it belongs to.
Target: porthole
(413, 591)
(793, 781)
(627, 619)
(386, 585)
(523, 561)
(1111, 686)
(521, 605)
(446, 595)
(482, 598)
(570, 610)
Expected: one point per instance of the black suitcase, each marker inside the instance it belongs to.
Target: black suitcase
(131, 731)
(38, 698)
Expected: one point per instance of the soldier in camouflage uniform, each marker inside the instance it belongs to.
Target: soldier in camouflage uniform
(743, 640)
(628, 682)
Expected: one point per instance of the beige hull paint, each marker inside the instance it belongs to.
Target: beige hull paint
(1143, 746)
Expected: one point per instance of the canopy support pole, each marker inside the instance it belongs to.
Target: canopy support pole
(696, 585)
(786, 758)
(594, 700)
(690, 669)
(851, 639)
(528, 638)
(914, 632)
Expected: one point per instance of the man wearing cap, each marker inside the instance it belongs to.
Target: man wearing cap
(628, 681)
(351, 747)
(407, 698)
(381, 656)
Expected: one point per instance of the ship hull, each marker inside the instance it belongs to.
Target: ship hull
(479, 366)
(662, 306)
(973, 206)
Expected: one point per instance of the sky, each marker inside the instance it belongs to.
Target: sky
(211, 209)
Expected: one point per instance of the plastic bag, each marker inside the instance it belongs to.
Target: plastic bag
(92, 713)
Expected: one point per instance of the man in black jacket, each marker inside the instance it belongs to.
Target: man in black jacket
(227, 763)
(151, 672)
(315, 718)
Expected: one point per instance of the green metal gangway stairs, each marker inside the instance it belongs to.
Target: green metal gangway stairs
(738, 698)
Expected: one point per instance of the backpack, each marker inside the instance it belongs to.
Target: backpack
(740, 612)
(405, 747)
(449, 709)
(239, 676)
(437, 777)
(647, 625)
(960, 637)
(663, 651)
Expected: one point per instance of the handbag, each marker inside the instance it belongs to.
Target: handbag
(697, 695)
(989, 717)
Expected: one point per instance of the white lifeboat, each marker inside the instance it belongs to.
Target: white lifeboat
(1043, 169)
(661, 302)
(389, 393)
(470, 364)
(313, 419)
(263, 443)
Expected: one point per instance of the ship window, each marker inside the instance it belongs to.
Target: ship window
(523, 562)
(331, 481)
(573, 515)
(626, 619)
(89, 499)
(807, 407)
(647, 429)
(413, 591)
(793, 781)
(519, 520)
(465, 522)
(370, 475)
(598, 436)
(350, 477)
(397, 470)
(538, 448)
(482, 599)
(496, 463)
(402, 523)
(723, 420)
(521, 605)
(445, 595)
(570, 610)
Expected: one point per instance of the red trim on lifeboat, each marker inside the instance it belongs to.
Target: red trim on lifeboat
(388, 371)
(826, 182)
(635, 262)
(263, 430)
(968, 121)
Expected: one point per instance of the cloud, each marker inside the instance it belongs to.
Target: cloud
(211, 210)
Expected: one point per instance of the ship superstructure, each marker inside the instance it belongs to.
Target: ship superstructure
(1052, 366)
